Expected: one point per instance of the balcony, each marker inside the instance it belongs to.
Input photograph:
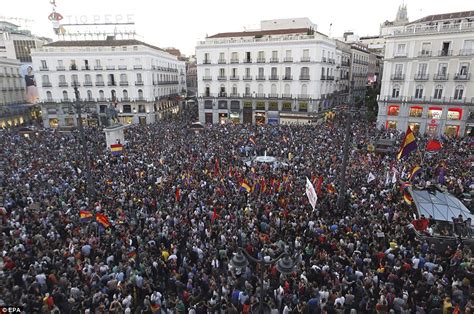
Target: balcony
(287, 78)
(445, 53)
(330, 78)
(111, 84)
(323, 59)
(102, 99)
(288, 59)
(46, 84)
(63, 84)
(261, 60)
(137, 67)
(206, 61)
(441, 77)
(303, 96)
(75, 84)
(260, 95)
(122, 67)
(305, 59)
(234, 61)
(427, 100)
(221, 61)
(345, 64)
(73, 67)
(87, 83)
(247, 95)
(207, 78)
(85, 68)
(304, 78)
(462, 76)
(274, 60)
(286, 96)
(424, 53)
(123, 83)
(110, 67)
(139, 83)
(260, 78)
(272, 95)
(60, 68)
(323, 77)
(400, 55)
(234, 78)
(248, 61)
(98, 67)
(466, 52)
(247, 78)
(234, 95)
(44, 69)
(99, 84)
(330, 60)
(273, 78)
(421, 77)
(397, 77)
(222, 94)
(222, 78)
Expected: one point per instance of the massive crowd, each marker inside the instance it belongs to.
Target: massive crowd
(178, 214)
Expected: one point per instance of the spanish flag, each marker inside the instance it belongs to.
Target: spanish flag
(414, 172)
(116, 149)
(407, 197)
(245, 187)
(103, 220)
(85, 215)
(408, 144)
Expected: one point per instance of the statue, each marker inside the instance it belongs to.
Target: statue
(112, 115)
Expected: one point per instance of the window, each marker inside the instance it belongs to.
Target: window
(322, 73)
(221, 56)
(221, 72)
(247, 57)
(99, 78)
(273, 89)
(305, 53)
(416, 111)
(435, 113)
(235, 56)
(89, 95)
(206, 58)
(101, 95)
(140, 94)
(247, 89)
(73, 65)
(123, 77)
(305, 72)
(65, 96)
(234, 72)
(113, 95)
(419, 92)
(49, 96)
(97, 62)
(454, 114)
(463, 69)
(234, 89)
(87, 78)
(287, 89)
(62, 79)
(261, 55)
(422, 69)
(60, 63)
(288, 53)
(274, 54)
(442, 69)
(398, 69)
(393, 110)
(445, 48)
(127, 108)
(304, 90)
(425, 49)
(261, 72)
(45, 79)
(438, 92)
(207, 91)
(260, 88)
(458, 92)
(125, 94)
(396, 91)
(274, 72)
(139, 77)
(43, 64)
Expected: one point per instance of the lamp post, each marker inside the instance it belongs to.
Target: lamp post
(347, 139)
(284, 264)
(78, 107)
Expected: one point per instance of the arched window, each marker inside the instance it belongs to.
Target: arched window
(438, 92)
(101, 95)
(65, 97)
(459, 92)
(247, 89)
(140, 94)
(222, 92)
(125, 94)
(419, 92)
(273, 89)
(207, 91)
(287, 89)
(89, 95)
(304, 89)
(396, 91)
(234, 89)
(49, 96)
(113, 95)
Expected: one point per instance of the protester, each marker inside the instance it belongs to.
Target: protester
(178, 213)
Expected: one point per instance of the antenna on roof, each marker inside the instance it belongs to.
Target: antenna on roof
(330, 28)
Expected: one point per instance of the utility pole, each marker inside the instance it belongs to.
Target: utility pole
(341, 200)
(90, 184)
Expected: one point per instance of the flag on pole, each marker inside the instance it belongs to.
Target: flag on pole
(311, 193)
(245, 187)
(116, 149)
(85, 215)
(414, 172)
(103, 220)
(408, 144)
(371, 177)
(433, 146)
(407, 197)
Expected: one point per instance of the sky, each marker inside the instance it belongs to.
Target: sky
(181, 24)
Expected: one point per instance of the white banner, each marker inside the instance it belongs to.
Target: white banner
(371, 177)
(311, 193)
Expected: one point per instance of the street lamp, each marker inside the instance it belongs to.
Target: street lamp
(342, 176)
(284, 264)
(78, 107)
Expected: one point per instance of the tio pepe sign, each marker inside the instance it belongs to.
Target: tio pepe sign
(99, 19)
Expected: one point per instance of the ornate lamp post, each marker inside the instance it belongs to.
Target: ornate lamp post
(284, 263)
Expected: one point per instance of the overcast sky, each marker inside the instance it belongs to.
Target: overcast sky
(180, 24)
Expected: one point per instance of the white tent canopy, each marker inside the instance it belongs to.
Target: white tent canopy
(439, 205)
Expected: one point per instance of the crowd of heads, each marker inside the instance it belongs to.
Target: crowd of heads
(178, 215)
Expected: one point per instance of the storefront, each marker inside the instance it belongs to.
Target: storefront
(432, 127)
(208, 118)
(294, 119)
(223, 117)
(53, 122)
(247, 113)
(391, 125)
(142, 120)
(234, 117)
(126, 119)
(273, 117)
(260, 118)
(451, 130)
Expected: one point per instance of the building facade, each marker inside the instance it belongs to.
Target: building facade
(140, 81)
(359, 69)
(427, 82)
(282, 73)
(344, 64)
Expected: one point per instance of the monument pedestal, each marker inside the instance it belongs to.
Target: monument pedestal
(114, 135)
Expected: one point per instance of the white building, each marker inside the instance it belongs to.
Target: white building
(427, 82)
(141, 81)
(282, 73)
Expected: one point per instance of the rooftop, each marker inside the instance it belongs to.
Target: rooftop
(445, 16)
(101, 43)
(260, 33)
